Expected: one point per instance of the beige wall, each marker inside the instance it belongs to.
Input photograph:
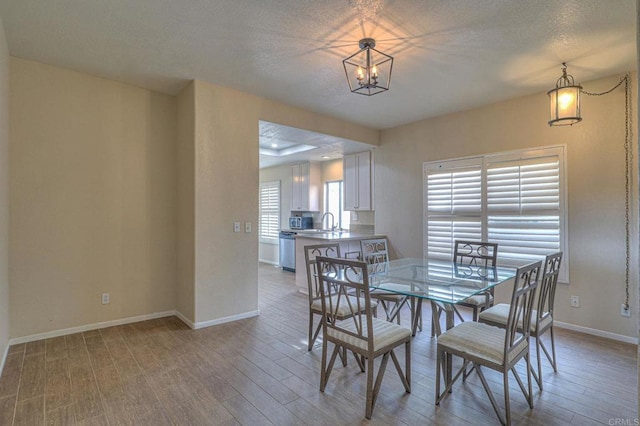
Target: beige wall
(595, 186)
(226, 190)
(185, 291)
(4, 195)
(93, 196)
(331, 170)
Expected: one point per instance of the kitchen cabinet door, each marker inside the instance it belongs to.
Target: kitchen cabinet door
(305, 187)
(358, 175)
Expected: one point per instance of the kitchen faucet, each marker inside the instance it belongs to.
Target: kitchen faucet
(333, 220)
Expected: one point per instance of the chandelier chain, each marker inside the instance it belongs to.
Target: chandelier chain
(628, 159)
(628, 171)
(622, 80)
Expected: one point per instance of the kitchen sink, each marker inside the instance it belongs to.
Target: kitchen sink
(319, 231)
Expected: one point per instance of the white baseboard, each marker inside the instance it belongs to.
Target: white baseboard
(4, 358)
(185, 320)
(98, 325)
(231, 318)
(595, 332)
(94, 326)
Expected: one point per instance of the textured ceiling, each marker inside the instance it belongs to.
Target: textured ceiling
(450, 55)
(288, 141)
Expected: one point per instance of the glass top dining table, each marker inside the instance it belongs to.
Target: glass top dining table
(442, 282)
(436, 280)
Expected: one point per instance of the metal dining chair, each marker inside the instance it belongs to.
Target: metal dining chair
(473, 253)
(542, 316)
(375, 253)
(313, 287)
(364, 335)
(499, 349)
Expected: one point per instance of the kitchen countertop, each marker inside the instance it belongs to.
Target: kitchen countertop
(337, 236)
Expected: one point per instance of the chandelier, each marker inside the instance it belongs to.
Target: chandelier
(368, 70)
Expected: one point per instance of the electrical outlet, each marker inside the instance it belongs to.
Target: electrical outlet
(236, 226)
(105, 298)
(247, 227)
(625, 310)
(575, 301)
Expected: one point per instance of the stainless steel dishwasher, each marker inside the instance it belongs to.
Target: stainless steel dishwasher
(288, 250)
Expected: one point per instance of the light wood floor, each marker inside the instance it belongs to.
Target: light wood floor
(258, 371)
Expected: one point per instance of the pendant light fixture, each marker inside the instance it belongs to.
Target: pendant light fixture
(368, 70)
(564, 101)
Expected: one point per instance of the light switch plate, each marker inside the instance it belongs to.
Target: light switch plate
(247, 227)
(236, 226)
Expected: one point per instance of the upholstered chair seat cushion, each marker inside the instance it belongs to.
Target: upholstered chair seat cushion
(385, 333)
(387, 291)
(498, 314)
(343, 307)
(478, 300)
(479, 340)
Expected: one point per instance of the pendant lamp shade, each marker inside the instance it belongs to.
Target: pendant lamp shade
(564, 101)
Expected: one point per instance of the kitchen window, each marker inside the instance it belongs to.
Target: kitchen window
(269, 210)
(515, 199)
(333, 203)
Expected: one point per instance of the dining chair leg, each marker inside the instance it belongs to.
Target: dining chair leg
(313, 336)
(492, 398)
(438, 368)
(538, 377)
(369, 406)
(379, 376)
(359, 361)
(553, 350)
(530, 393)
(435, 319)
(507, 402)
(407, 363)
(326, 372)
(323, 368)
(416, 315)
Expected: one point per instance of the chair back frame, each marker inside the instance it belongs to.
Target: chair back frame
(477, 253)
(310, 255)
(339, 279)
(548, 283)
(375, 253)
(518, 327)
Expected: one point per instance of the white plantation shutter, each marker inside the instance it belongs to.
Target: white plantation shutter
(269, 224)
(454, 205)
(523, 207)
(514, 199)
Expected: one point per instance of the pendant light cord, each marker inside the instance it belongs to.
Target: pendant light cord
(628, 158)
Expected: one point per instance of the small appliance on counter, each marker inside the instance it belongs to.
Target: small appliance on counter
(300, 222)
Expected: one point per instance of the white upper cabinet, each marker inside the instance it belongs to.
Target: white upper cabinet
(358, 181)
(305, 187)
